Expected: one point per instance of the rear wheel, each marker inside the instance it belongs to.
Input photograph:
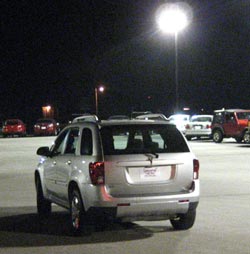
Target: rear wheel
(217, 136)
(184, 221)
(77, 212)
(43, 205)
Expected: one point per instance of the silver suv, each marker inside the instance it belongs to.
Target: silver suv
(127, 170)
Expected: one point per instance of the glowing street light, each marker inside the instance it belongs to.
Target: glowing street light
(172, 18)
(101, 90)
(47, 111)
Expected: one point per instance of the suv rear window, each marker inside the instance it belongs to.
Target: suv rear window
(11, 122)
(139, 139)
(45, 121)
(201, 119)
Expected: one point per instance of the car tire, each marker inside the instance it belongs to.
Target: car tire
(77, 212)
(246, 137)
(217, 136)
(184, 221)
(43, 205)
(238, 139)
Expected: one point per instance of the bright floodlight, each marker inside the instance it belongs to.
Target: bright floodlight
(101, 89)
(172, 18)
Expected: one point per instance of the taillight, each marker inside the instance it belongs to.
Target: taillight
(96, 172)
(187, 126)
(248, 124)
(196, 167)
(208, 126)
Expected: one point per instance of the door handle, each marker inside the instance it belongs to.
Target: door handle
(68, 162)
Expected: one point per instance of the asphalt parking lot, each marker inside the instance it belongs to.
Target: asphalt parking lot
(222, 224)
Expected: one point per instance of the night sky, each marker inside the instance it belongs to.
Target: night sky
(57, 52)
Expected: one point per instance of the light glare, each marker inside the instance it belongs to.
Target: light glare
(101, 89)
(172, 21)
(172, 18)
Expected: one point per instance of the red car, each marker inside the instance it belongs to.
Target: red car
(46, 127)
(13, 127)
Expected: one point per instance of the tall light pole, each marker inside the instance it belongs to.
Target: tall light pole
(97, 89)
(172, 18)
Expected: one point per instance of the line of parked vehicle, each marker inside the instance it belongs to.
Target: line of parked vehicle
(224, 123)
(43, 126)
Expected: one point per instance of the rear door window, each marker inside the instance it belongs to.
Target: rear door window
(86, 142)
(138, 139)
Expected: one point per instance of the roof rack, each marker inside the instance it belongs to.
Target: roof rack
(86, 118)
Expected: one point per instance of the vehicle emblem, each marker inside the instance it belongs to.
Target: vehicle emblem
(150, 158)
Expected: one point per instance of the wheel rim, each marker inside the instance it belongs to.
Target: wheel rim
(216, 136)
(247, 138)
(75, 212)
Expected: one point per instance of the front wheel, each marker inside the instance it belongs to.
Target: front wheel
(43, 205)
(217, 136)
(77, 212)
(184, 221)
(246, 137)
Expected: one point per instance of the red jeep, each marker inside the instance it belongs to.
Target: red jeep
(247, 134)
(231, 123)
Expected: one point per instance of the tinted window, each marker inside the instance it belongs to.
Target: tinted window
(45, 121)
(11, 122)
(218, 118)
(86, 142)
(59, 145)
(243, 115)
(72, 141)
(201, 119)
(138, 139)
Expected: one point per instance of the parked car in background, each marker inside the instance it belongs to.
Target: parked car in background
(46, 127)
(14, 127)
(180, 120)
(97, 171)
(1, 127)
(152, 116)
(231, 123)
(199, 126)
(134, 114)
(247, 134)
(118, 117)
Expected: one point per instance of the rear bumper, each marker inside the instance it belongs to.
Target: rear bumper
(199, 133)
(21, 132)
(44, 131)
(147, 208)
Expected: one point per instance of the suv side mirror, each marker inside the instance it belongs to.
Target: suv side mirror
(43, 151)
